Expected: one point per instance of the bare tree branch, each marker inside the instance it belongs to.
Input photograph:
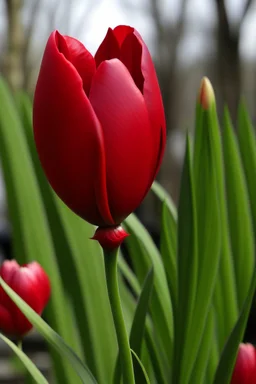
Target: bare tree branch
(27, 42)
(228, 59)
(245, 11)
(179, 28)
(223, 18)
(168, 38)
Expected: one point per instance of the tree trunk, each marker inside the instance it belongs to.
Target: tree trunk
(229, 72)
(13, 68)
(228, 58)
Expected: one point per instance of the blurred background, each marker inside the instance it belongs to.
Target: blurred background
(188, 39)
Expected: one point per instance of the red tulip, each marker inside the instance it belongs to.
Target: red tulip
(245, 367)
(31, 283)
(99, 124)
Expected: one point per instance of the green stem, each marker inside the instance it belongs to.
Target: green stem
(115, 303)
(19, 344)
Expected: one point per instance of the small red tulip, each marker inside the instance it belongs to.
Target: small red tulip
(99, 124)
(32, 284)
(245, 367)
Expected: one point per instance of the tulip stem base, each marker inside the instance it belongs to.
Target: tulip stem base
(110, 258)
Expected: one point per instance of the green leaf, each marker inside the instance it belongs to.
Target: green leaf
(168, 247)
(31, 368)
(228, 357)
(163, 195)
(225, 287)
(206, 350)
(128, 274)
(168, 239)
(138, 323)
(31, 234)
(51, 336)
(128, 303)
(140, 372)
(187, 265)
(247, 146)
(240, 222)
(213, 358)
(144, 254)
(241, 230)
(156, 358)
(209, 240)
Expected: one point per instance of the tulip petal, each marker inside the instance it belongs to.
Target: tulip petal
(79, 56)
(11, 273)
(6, 322)
(120, 107)
(24, 284)
(42, 281)
(109, 48)
(121, 31)
(152, 97)
(69, 138)
(8, 270)
(131, 52)
(27, 285)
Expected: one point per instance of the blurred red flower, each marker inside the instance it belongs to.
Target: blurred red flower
(245, 367)
(32, 284)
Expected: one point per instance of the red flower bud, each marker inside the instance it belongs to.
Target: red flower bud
(99, 124)
(110, 237)
(245, 367)
(32, 284)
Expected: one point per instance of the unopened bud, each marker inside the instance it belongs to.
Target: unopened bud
(206, 94)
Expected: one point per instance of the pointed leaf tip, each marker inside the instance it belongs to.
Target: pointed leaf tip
(206, 94)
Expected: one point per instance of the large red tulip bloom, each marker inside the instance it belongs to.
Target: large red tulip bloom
(245, 367)
(31, 283)
(99, 124)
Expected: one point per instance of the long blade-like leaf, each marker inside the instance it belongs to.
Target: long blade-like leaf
(168, 239)
(141, 374)
(168, 247)
(144, 254)
(228, 357)
(31, 236)
(187, 265)
(240, 220)
(139, 322)
(247, 146)
(208, 241)
(31, 368)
